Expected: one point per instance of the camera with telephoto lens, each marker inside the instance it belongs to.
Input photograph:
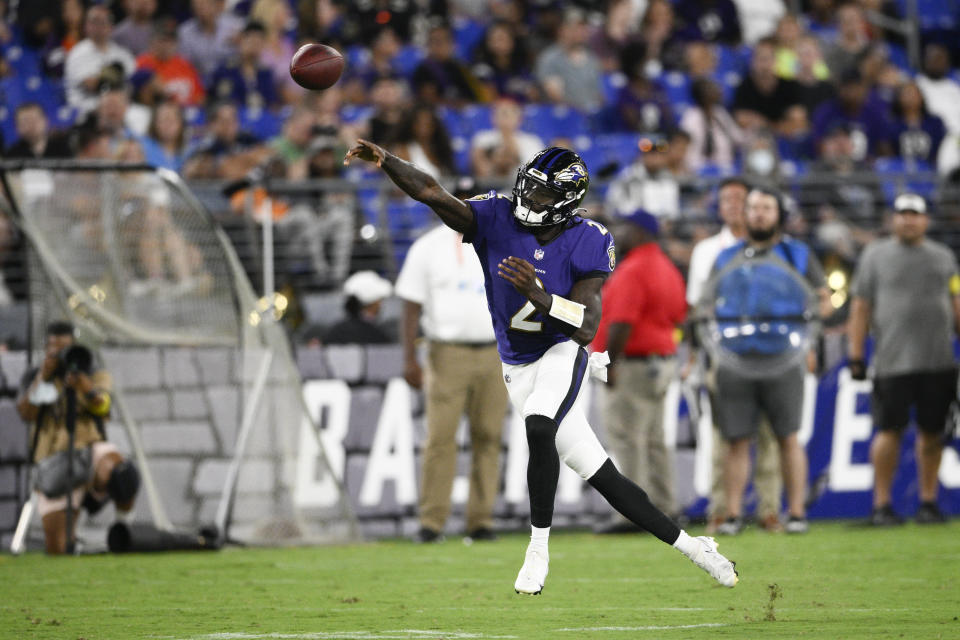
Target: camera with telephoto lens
(75, 359)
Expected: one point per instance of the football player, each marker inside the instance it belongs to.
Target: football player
(543, 268)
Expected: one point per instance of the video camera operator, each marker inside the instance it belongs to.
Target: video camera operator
(96, 471)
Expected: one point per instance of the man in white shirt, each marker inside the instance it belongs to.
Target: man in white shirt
(942, 95)
(648, 184)
(89, 56)
(442, 286)
(500, 151)
(208, 39)
(731, 206)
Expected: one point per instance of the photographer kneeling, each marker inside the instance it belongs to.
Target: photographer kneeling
(96, 472)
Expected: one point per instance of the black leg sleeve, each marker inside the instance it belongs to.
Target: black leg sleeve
(543, 468)
(629, 499)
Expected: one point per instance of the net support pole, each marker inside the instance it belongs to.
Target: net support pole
(159, 514)
(246, 425)
(268, 274)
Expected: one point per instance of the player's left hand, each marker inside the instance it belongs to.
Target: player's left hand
(519, 273)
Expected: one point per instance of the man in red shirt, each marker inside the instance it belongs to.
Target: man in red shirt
(179, 78)
(643, 303)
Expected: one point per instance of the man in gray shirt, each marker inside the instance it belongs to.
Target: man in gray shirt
(907, 289)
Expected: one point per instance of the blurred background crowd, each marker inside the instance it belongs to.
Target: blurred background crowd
(843, 104)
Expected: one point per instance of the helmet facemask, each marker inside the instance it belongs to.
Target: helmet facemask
(537, 202)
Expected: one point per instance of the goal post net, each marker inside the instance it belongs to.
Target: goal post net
(208, 398)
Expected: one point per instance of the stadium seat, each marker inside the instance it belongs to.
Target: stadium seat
(355, 113)
(312, 364)
(25, 60)
(677, 87)
(365, 404)
(13, 366)
(346, 362)
(7, 126)
(14, 446)
(475, 117)
(263, 124)
(384, 362)
(407, 59)
(467, 34)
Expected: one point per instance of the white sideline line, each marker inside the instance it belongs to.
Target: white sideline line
(648, 628)
(399, 634)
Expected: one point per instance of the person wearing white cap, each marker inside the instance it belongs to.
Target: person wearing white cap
(906, 291)
(364, 291)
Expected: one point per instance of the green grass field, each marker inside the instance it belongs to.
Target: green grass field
(839, 581)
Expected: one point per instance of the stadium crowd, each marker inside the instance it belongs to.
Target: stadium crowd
(658, 97)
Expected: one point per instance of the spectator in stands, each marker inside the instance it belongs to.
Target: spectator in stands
(133, 33)
(917, 133)
(820, 19)
(679, 143)
(390, 101)
(290, 147)
(165, 143)
(762, 98)
(907, 289)
(501, 65)
(940, 91)
(243, 79)
(122, 125)
(618, 31)
(715, 138)
(207, 39)
(360, 76)
(55, 37)
(866, 120)
(646, 184)
(709, 20)
(794, 136)
(851, 42)
(34, 139)
(641, 105)
(335, 212)
(364, 294)
(441, 284)
(422, 138)
(759, 18)
(643, 304)
(179, 78)
(275, 16)
(370, 17)
(99, 472)
(700, 60)
(568, 72)
(843, 182)
(761, 160)
(87, 59)
(661, 47)
(812, 75)
(499, 152)
(225, 152)
(443, 79)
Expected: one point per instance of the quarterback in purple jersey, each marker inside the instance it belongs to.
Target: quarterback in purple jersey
(544, 266)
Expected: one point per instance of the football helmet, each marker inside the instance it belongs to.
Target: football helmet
(549, 188)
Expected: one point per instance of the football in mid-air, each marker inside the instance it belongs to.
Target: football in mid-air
(316, 66)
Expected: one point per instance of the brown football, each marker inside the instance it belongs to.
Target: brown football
(316, 66)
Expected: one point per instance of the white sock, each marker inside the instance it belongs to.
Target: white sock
(687, 545)
(539, 537)
(124, 516)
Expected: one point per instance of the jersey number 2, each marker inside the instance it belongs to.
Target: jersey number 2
(521, 319)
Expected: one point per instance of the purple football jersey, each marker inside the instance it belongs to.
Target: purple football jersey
(583, 250)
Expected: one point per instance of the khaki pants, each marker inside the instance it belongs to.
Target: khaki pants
(462, 379)
(767, 478)
(633, 416)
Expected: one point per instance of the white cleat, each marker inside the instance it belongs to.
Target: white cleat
(533, 573)
(710, 560)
